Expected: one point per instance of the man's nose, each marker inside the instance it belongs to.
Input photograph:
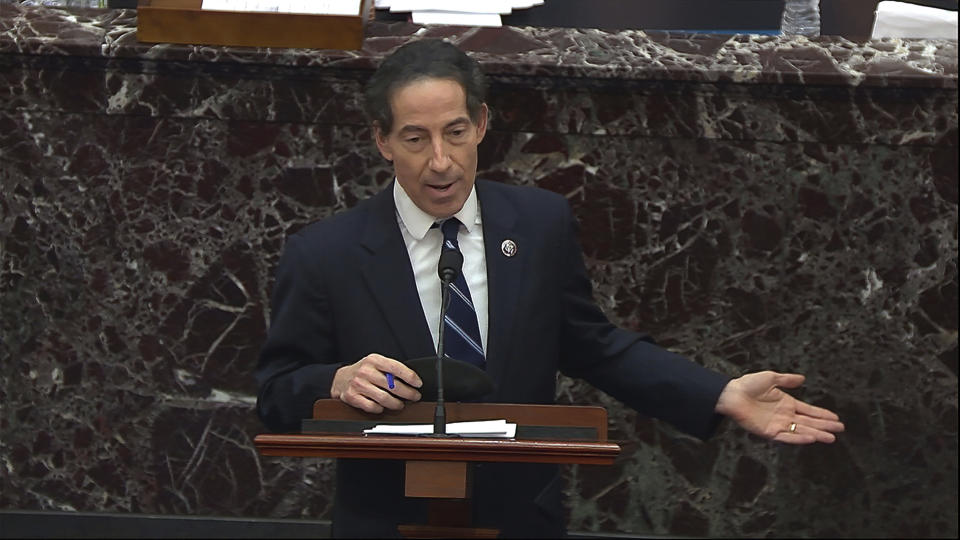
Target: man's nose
(440, 160)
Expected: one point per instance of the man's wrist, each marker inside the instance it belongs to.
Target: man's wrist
(334, 391)
(724, 401)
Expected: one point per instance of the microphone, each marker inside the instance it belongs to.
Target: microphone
(451, 262)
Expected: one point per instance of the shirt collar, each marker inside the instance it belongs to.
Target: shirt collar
(419, 222)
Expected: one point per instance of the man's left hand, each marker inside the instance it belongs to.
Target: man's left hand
(756, 403)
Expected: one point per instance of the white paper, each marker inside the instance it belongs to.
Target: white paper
(480, 428)
(314, 7)
(470, 6)
(457, 19)
(903, 20)
(457, 6)
(456, 12)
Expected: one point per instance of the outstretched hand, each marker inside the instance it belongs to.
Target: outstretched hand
(755, 402)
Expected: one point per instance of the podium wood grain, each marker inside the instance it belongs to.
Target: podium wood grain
(427, 449)
(183, 21)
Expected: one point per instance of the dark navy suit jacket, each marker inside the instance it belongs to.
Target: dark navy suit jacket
(345, 289)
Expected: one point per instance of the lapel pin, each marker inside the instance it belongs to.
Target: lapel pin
(509, 248)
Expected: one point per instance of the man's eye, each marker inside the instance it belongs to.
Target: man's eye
(413, 140)
(458, 132)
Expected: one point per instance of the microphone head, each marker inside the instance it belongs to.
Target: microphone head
(451, 261)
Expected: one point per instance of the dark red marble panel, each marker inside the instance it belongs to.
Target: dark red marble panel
(752, 201)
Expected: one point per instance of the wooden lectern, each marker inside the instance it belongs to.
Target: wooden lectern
(437, 468)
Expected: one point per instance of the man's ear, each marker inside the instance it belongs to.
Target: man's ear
(482, 119)
(383, 143)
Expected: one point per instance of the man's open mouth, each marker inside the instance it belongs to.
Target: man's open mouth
(441, 187)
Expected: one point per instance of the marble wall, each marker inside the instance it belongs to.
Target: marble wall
(753, 202)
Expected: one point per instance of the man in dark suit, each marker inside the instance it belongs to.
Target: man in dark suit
(358, 294)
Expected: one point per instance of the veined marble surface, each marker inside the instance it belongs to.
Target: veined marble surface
(585, 53)
(752, 201)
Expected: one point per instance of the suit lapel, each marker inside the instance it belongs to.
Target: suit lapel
(504, 275)
(387, 273)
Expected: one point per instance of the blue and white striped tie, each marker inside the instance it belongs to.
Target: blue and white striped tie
(461, 331)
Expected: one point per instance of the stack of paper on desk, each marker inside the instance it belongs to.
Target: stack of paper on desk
(457, 12)
(316, 7)
(906, 20)
(481, 428)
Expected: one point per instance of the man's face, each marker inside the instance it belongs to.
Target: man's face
(433, 144)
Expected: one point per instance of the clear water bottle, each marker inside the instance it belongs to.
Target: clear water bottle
(801, 17)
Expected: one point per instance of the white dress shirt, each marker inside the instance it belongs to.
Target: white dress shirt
(423, 246)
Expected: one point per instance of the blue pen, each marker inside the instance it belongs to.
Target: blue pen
(390, 380)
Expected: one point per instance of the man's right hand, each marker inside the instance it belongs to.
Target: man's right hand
(364, 384)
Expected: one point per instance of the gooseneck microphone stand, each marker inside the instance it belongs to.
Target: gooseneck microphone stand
(450, 263)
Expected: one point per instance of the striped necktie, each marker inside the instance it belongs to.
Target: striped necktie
(461, 331)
